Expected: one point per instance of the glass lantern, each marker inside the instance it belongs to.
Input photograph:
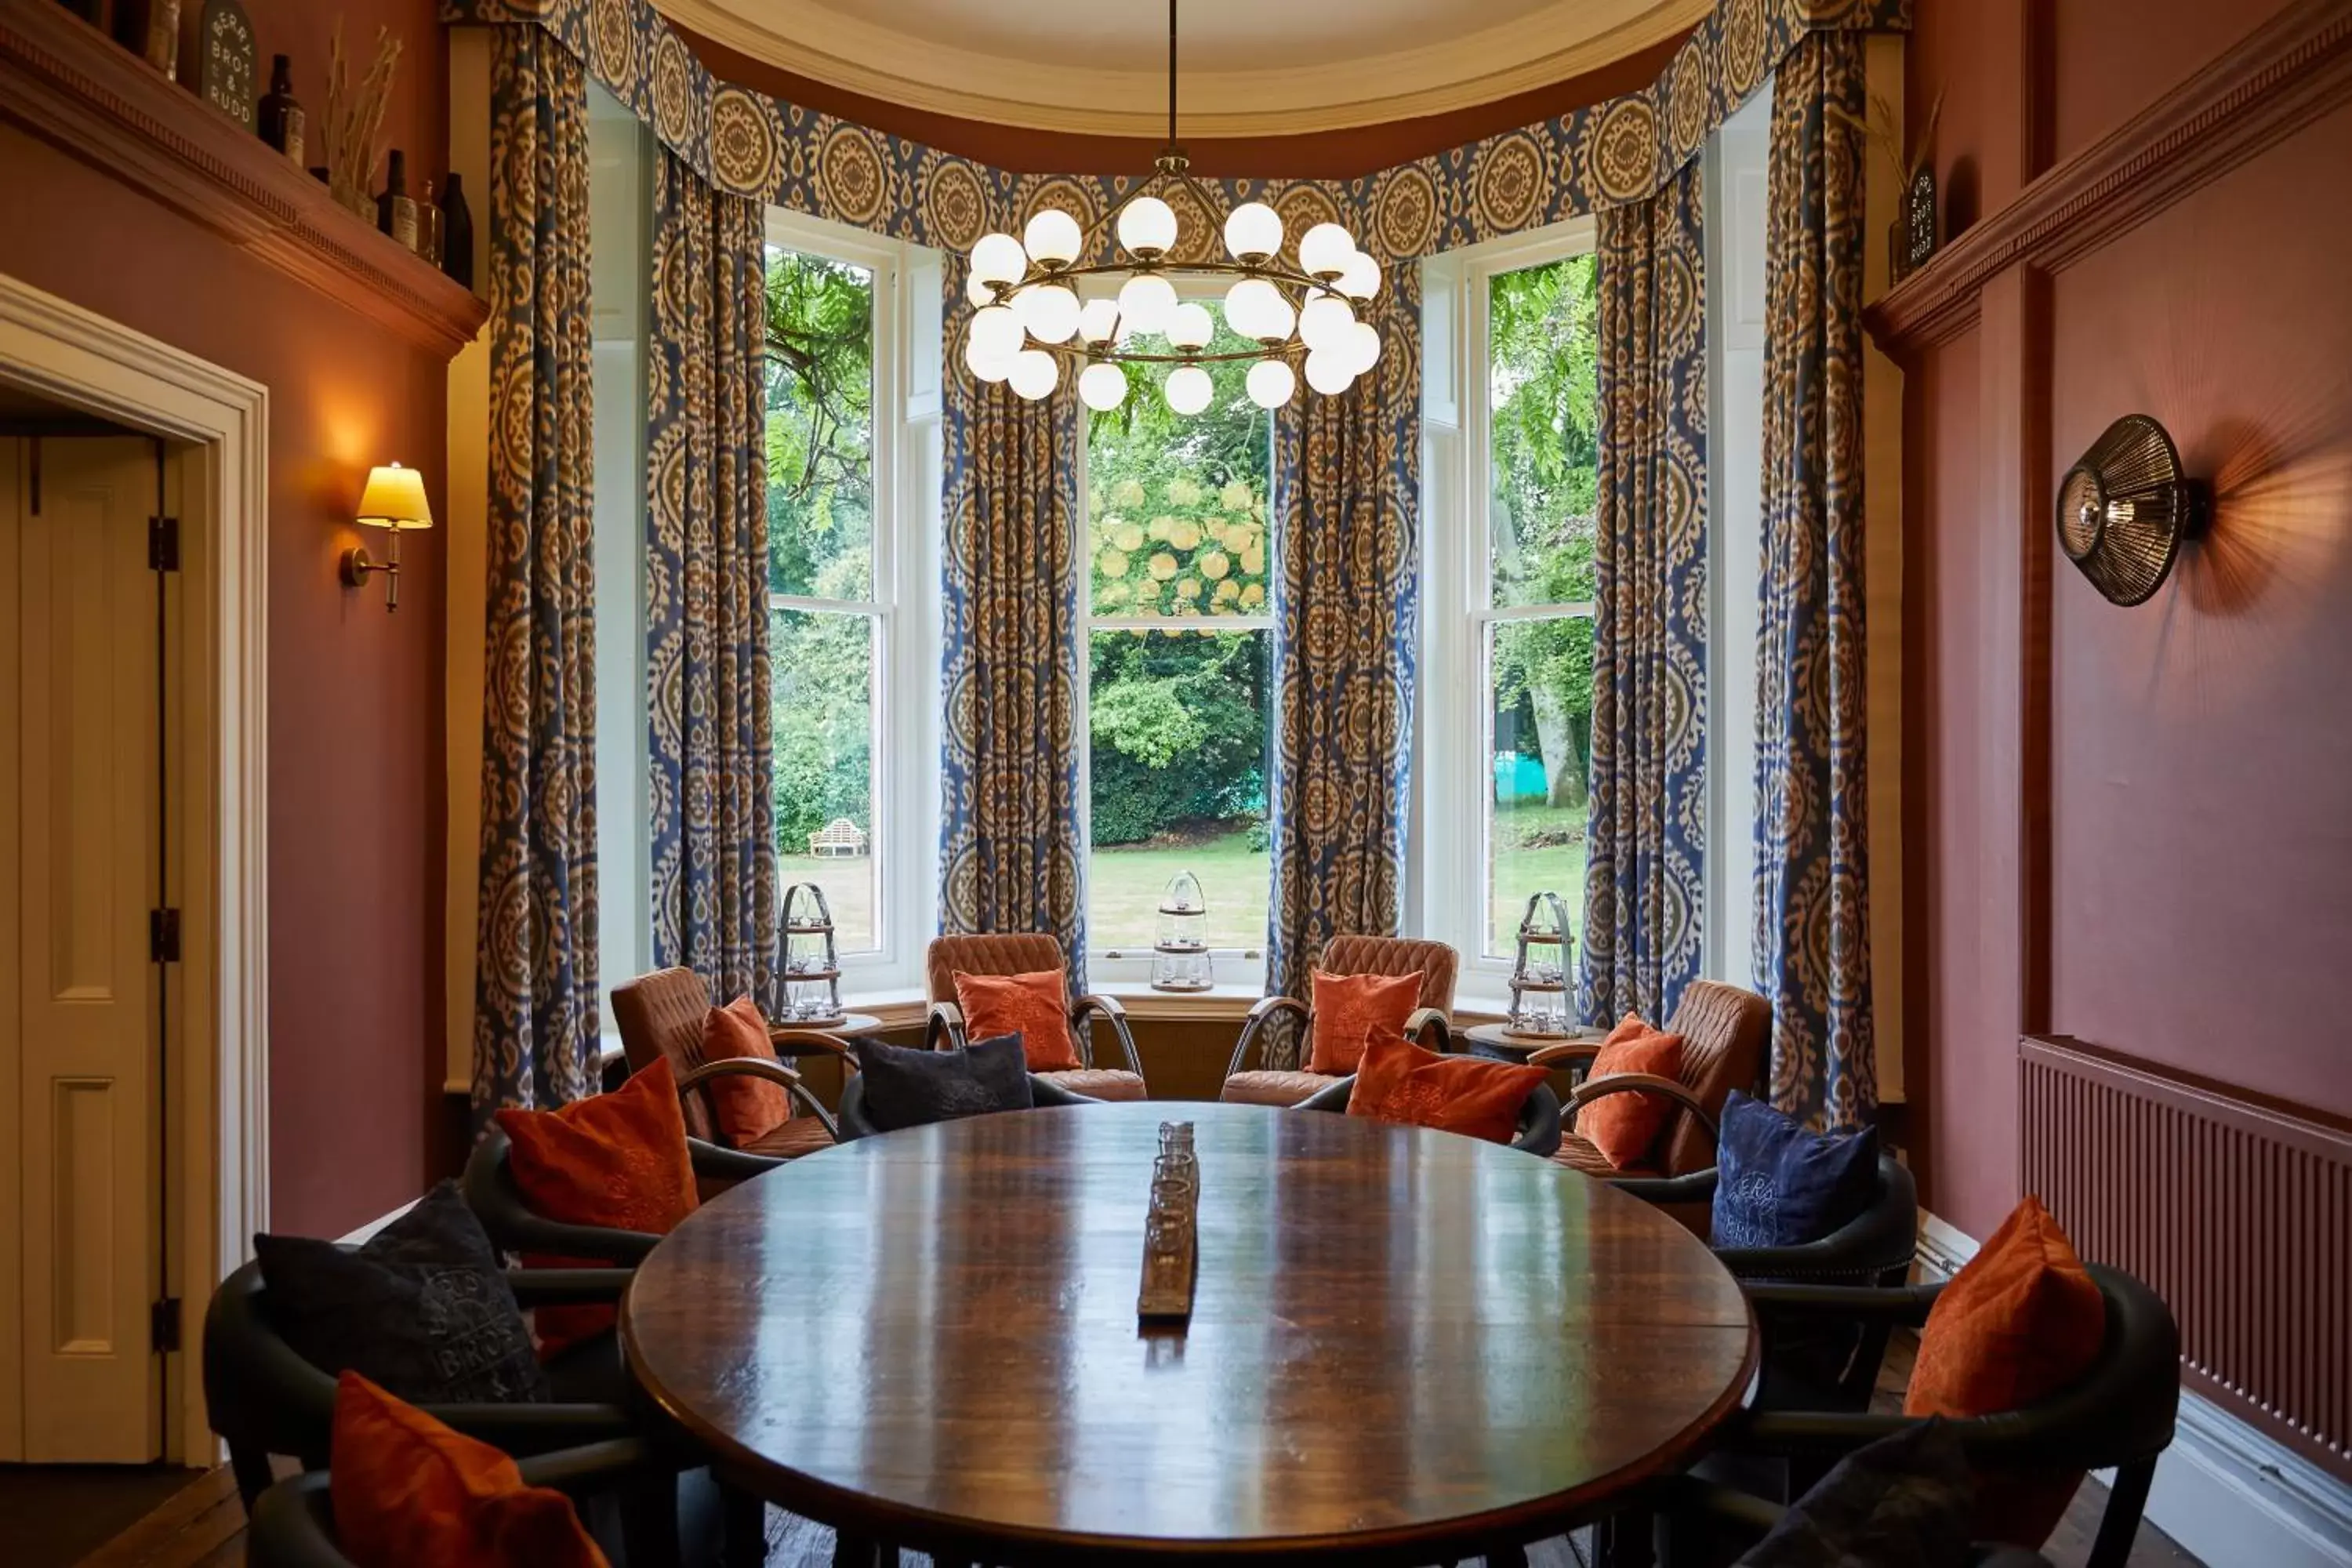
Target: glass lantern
(1180, 956)
(1539, 998)
(812, 966)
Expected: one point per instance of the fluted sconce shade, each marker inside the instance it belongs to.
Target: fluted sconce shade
(2124, 508)
(395, 500)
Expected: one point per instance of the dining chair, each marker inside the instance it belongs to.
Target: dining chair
(1433, 962)
(492, 1193)
(1539, 1126)
(1005, 952)
(661, 1016)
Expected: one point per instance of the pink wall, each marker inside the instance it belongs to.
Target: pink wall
(355, 712)
(2199, 783)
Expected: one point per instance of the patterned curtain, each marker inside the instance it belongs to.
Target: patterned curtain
(1646, 842)
(535, 991)
(1009, 859)
(1812, 915)
(712, 807)
(1347, 573)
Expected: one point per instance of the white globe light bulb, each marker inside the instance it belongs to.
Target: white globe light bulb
(1189, 389)
(986, 367)
(1146, 302)
(1052, 237)
(1360, 278)
(1036, 374)
(1255, 309)
(996, 332)
(999, 258)
(1325, 322)
(1050, 312)
(1362, 346)
(1146, 226)
(1323, 250)
(1097, 319)
(1253, 231)
(1189, 325)
(979, 291)
(1271, 382)
(1328, 372)
(1102, 387)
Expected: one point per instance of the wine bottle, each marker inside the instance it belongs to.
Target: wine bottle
(282, 119)
(456, 232)
(395, 210)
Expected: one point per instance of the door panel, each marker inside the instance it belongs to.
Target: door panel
(86, 855)
(13, 504)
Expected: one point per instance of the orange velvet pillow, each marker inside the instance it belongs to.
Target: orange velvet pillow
(615, 1160)
(1034, 1005)
(748, 1107)
(2023, 1320)
(1400, 1082)
(1624, 1126)
(1352, 1011)
(407, 1489)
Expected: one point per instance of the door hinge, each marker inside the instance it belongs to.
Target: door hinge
(163, 1325)
(163, 544)
(163, 936)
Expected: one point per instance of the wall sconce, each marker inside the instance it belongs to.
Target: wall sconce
(395, 500)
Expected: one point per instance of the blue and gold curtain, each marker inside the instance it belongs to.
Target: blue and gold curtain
(711, 710)
(1812, 912)
(535, 985)
(1347, 573)
(1009, 859)
(1646, 840)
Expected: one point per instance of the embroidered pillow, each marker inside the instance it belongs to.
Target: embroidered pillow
(1350, 1011)
(1778, 1184)
(1625, 1127)
(618, 1161)
(906, 1087)
(1034, 1006)
(1400, 1082)
(748, 1107)
(2023, 1320)
(422, 1309)
(406, 1490)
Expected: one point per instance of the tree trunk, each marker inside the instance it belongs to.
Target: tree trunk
(1564, 780)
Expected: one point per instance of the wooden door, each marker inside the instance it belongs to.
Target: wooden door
(79, 847)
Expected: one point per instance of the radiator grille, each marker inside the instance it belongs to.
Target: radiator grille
(2238, 1214)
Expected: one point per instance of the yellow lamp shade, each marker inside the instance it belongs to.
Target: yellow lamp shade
(395, 499)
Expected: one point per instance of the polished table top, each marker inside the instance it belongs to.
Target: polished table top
(1400, 1339)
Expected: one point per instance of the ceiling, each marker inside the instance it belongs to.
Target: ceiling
(1250, 67)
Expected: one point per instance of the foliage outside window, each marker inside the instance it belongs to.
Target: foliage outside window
(1177, 539)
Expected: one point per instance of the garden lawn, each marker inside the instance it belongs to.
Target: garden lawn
(1125, 881)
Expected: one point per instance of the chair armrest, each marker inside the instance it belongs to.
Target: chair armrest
(1694, 1187)
(1426, 1021)
(944, 1020)
(594, 1465)
(567, 1286)
(776, 1073)
(1082, 1027)
(523, 1430)
(1899, 1306)
(491, 1190)
(791, 1042)
(1264, 1008)
(1594, 1089)
(1744, 1513)
(1567, 1053)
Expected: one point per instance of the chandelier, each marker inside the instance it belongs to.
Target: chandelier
(1029, 325)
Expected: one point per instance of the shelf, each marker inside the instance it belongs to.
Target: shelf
(74, 88)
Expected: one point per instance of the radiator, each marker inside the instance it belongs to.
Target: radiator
(2239, 1214)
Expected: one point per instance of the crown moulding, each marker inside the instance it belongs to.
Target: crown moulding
(68, 84)
(1550, 43)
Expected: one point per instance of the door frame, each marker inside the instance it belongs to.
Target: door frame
(220, 1124)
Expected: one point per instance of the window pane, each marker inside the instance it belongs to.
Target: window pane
(824, 681)
(1176, 506)
(1543, 368)
(1178, 723)
(820, 426)
(1539, 688)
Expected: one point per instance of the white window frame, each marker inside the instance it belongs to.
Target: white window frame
(1453, 744)
(1129, 968)
(903, 838)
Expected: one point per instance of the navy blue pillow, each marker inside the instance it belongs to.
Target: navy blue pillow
(1777, 1185)
(909, 1088)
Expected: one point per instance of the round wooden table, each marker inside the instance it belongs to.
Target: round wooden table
(1405, 1346)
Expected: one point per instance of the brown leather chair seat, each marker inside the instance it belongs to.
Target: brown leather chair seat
(801, 1135)
(1578, 1154)
(1099, 1083)
(1273, 1086)
(1433, 962)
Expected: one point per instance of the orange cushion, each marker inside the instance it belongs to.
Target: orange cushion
(1350, 1011)
(2021, 1320)
(1400, 1082)
(1034, 1005)
(1624, 1126)
(749, 1107)
(615, 1160)
(407, 1489)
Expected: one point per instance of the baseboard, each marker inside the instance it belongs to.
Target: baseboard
(2225, 1492)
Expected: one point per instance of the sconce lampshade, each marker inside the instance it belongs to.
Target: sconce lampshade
(2124, 508)
(395, 500)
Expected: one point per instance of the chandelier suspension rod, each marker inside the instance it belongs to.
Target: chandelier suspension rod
(1172, 73)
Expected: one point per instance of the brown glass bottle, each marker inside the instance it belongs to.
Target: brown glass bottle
(395, 210)
(282, 119)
